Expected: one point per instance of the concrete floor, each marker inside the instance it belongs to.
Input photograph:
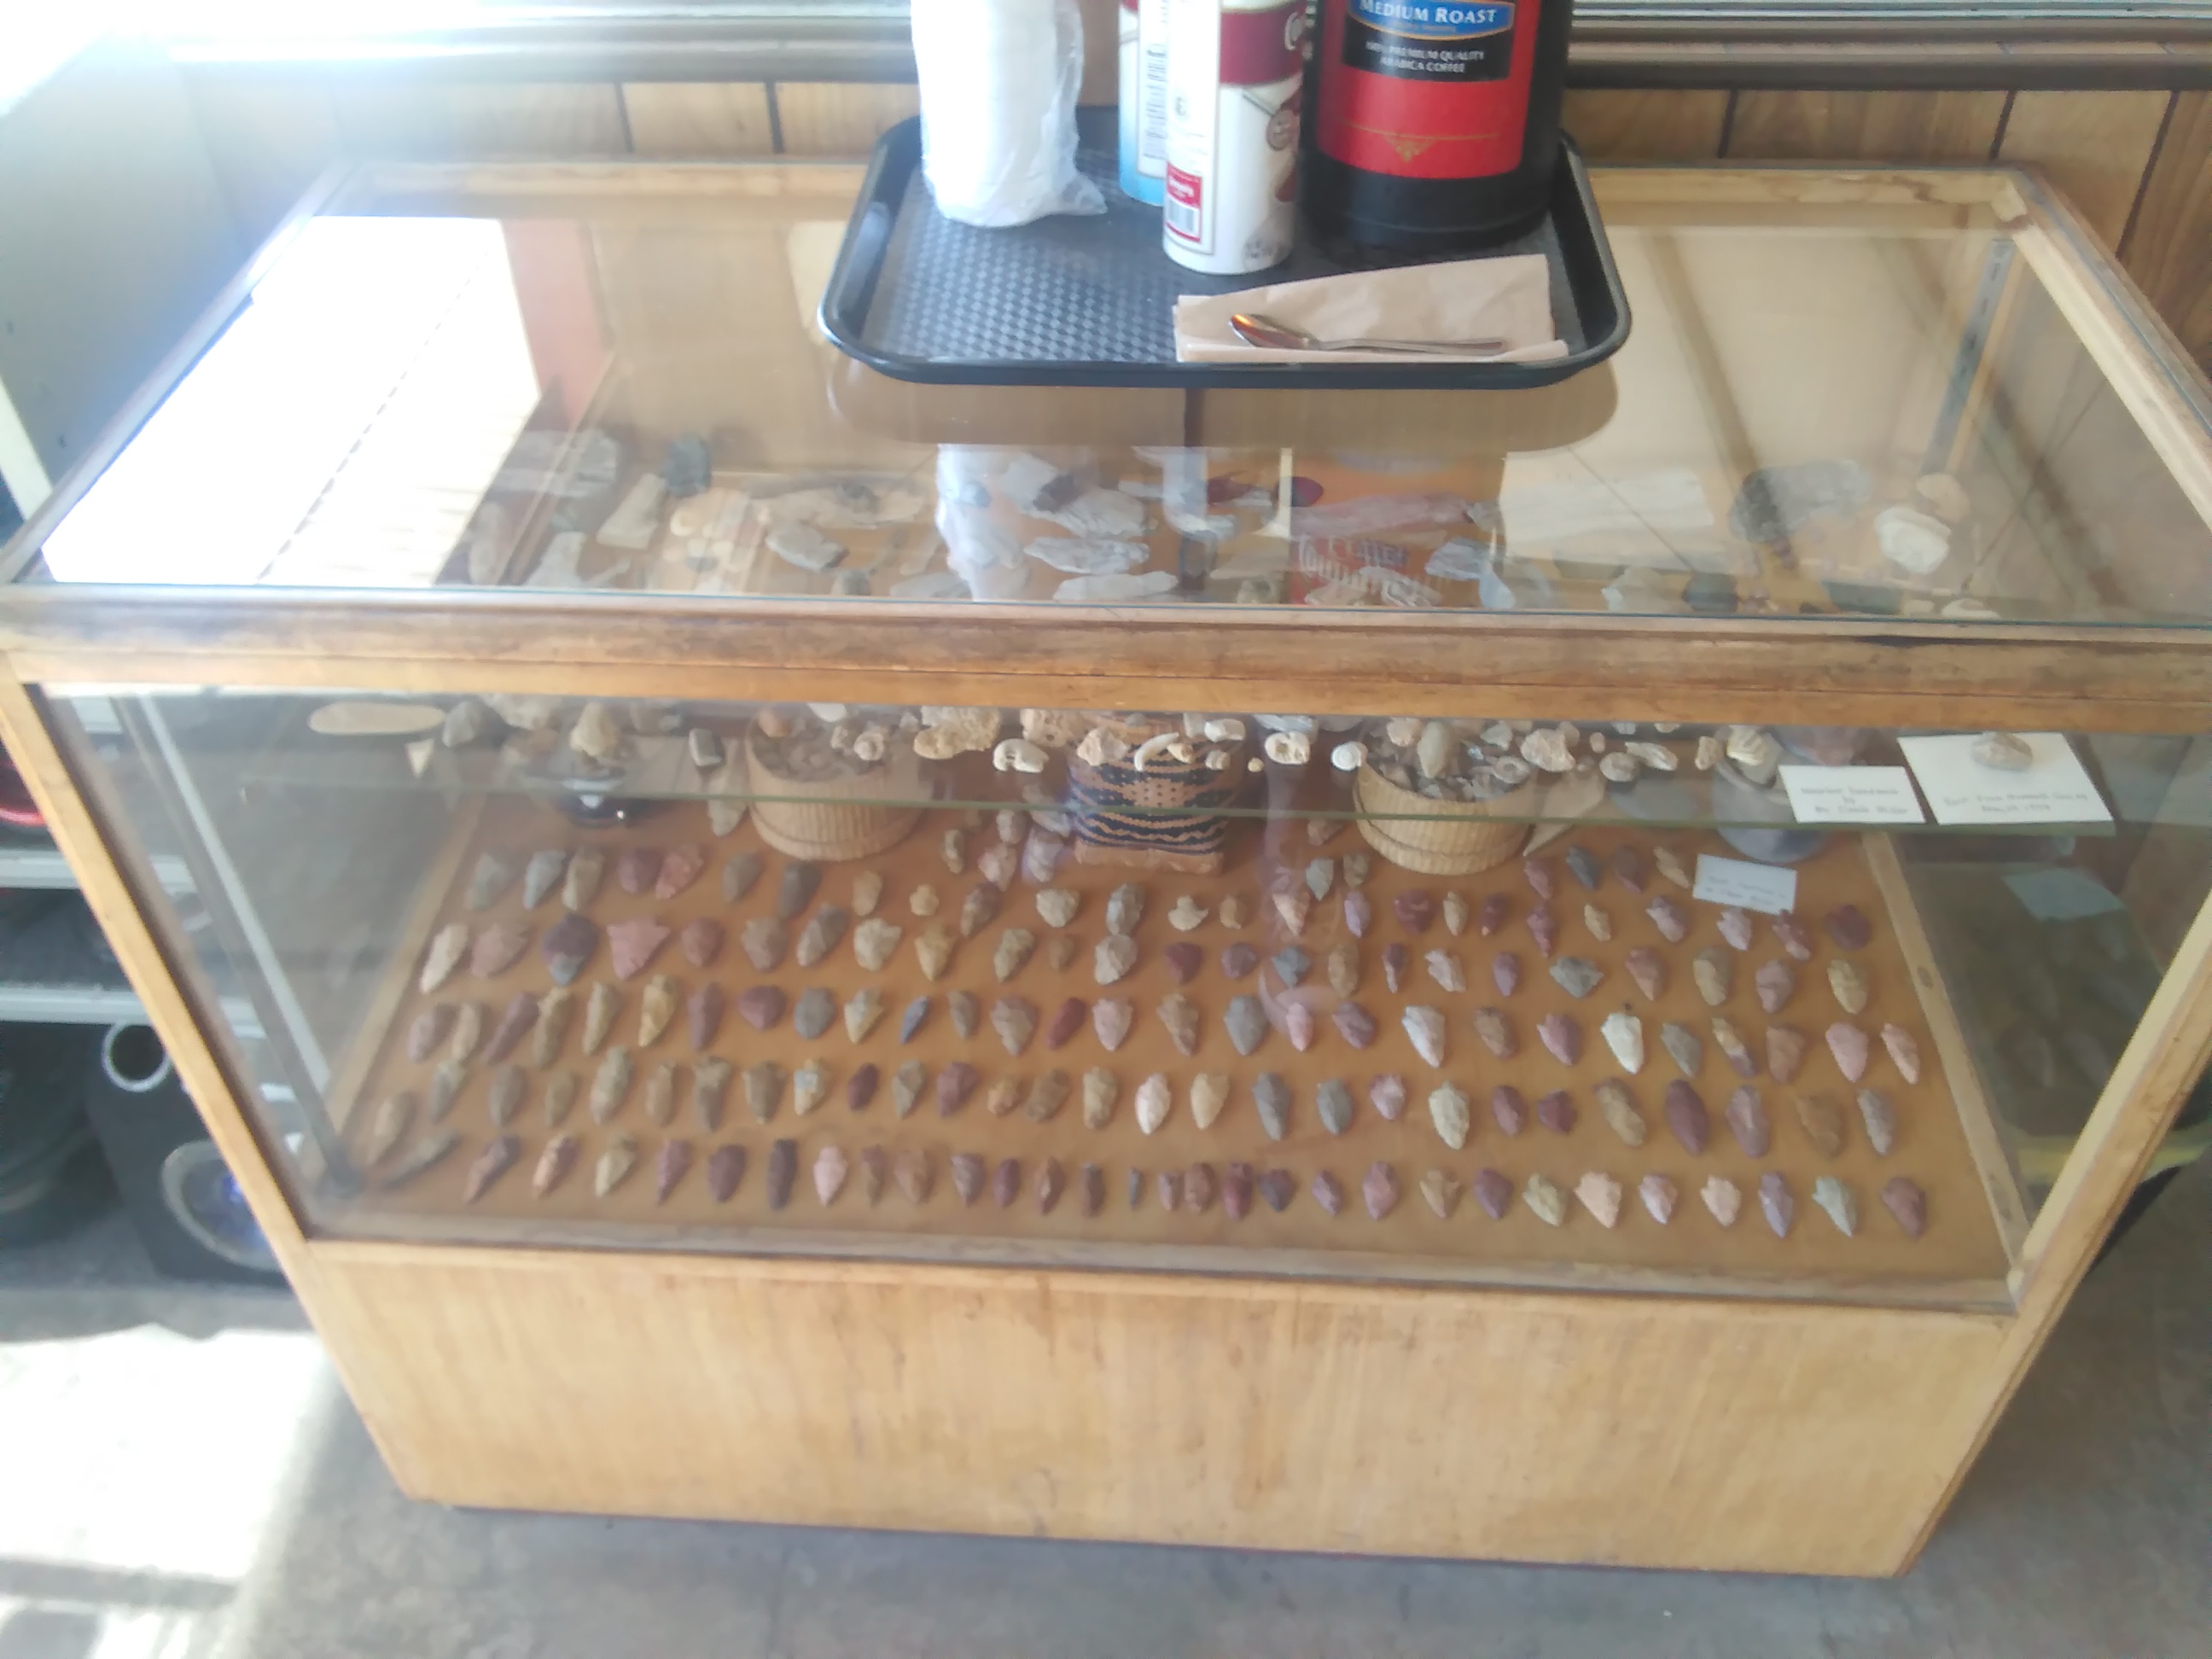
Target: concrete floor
(261, 1525)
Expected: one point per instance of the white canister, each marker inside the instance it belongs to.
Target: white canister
(1234, 72)
(1143, 98)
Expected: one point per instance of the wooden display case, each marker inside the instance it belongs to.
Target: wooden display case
(367, 588)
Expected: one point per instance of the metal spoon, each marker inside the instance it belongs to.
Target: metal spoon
(1273, 336)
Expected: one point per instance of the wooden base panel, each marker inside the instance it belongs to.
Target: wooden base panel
(1267, 1415)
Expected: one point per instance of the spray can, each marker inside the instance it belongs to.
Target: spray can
(1435, 124)
(1143, 98)
(1234, 71)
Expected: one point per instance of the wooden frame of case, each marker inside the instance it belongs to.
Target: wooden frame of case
(1650, 1430)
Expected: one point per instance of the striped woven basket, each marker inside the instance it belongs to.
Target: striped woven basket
(1171, 816)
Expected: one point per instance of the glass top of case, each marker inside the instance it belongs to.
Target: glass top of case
(1843, 397)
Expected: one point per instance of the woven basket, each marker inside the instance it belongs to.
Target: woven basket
(838, 818)
(1439, 838)
(1171, 816)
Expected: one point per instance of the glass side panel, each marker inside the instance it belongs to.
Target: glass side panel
(1230, 991)
(1824, 409)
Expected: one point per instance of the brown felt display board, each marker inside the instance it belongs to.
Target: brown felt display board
(1959, 1257)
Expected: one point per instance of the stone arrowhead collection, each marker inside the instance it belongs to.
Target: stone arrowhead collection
(1268, 1005)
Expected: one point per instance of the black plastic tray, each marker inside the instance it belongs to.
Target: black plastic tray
(1090, 300)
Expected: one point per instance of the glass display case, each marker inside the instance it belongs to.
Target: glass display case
(1441, 957)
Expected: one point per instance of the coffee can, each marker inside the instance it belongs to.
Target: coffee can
(1234, 86)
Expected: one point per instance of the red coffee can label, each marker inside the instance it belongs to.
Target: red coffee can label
(1426, 89)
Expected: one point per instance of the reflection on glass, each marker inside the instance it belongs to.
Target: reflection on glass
(1822, 410)
(530, 964)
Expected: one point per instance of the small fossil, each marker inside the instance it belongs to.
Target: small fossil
(1683, 1047)
(1236, 911)
(1849, 982)
(1576, 975)
(1271, 1097)
(875, 941)
(1556, 1112)
(1775, 983)
(1246, 1023)
(824, 932)
(1291, 965)
(1343, 968)
(1044, 1098)
(760, 1006)
(1187, 915)
(1495, 1029)
(1116, 956)
(669, 1168)
(1415, 909)
(1494, 1192)
(1777, 1203)
(814, 1013)
(430, 1028)
(1733, 1048)
(660, 1094)
(1015, 1020)
(726, 1169)
(998, 864)
(632, 945)
(906, 1087)
(1723, 1198)
(560, 1099)
(1852, 1048)
(1294, 905)
(763, 940)
(679, 868)
(614, 1164)
(1713, 971)
(1746, 1115)
(1660, 1195)
(1669, 918)
(1601, 1195)
(394, 1116)
(1067, 1020)
(710, 1087)
(1560, 1034)
(1358, 915)
(1396, 960)
(1599, 923)
(1179, 1014)
(1320, 877)
(809, 1087)
(933, 951)
(1496, 911)
(488, 880)
(1791, 934)
(1904, 1199)
(1455, 914)
(1880, 1120)
(1671, 866)
(763, 1086)
(554, 1164)
(1505, 973)
(830, 1167)
(1848, 927)
(955, 1084)
(1014, 949)
(609, 1084)
(1378, 1190)
(599, 1011)
(1425, 1029)
(1448, 1111)
(1102, 1091)
(738, 876)
(1685, 1111)
(864, 1011)
(1785, 1052)
(968, 1175)
(1333, 1102)
(1623, 1034)
(1823, 1124)
(1387, 1094)
(1444, 970)
(1735, 926)
(1903, 1050)
(1111, 1018)
(656, 1009)
(1124, 908)
(1509, 1109)
(1094, 1189)
(978, 908)
(582, 883)
(469, 1029)
(1618, 1107)
(1629, 867)
(1154, 1101)
(923, 902)
(1540, 876)
(1544, 1198)
(1544, 928)
(796, 890)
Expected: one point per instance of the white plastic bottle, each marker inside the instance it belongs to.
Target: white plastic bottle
(1234, 72)
(1143, 98)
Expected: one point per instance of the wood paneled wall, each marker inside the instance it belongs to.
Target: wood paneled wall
(2137, 164)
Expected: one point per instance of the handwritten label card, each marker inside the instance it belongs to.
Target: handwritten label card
(1852, 795)
(1754, 886)
(1961, 790)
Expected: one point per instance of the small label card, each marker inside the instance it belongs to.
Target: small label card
(2061, 895)
(1754, 886)
(1852, 795)
(1961, 790)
